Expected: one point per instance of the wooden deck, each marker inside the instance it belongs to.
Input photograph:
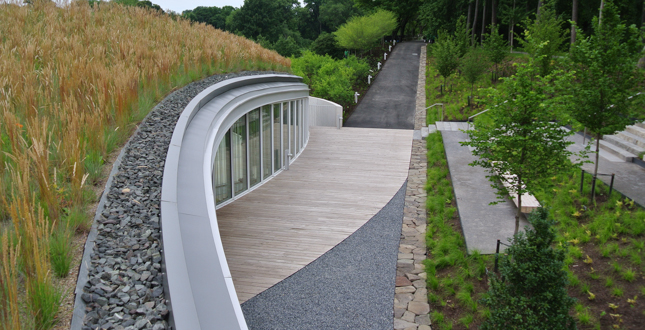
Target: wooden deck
(342, 179)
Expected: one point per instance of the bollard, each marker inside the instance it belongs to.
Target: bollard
(379, 66)
(384, 56)
(369, 79)
(390, 49)
(394, 43)
(340, 122)
(356, 97)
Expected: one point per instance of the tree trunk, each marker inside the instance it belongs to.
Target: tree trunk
(574, 19)
(512, 28)
(404, 23)
(493, 14)
(602, 6)
(472, 41)
(470, 8)
(481, 35)
(643, 14)
(540, 3)
(518, 190)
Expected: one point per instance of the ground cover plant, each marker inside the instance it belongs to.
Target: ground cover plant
(75, 81)
(604, 243)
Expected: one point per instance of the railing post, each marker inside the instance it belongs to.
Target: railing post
(582, 180)
(611, 185)
(593, 188)
(287, 159)
(340, 122)
(497, 255)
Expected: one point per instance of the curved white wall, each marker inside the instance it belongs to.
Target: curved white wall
(197, 279)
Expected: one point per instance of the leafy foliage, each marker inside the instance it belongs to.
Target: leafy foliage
(544, 36)
(531, 291)
(473, 65)
(445, 52)
(361, 33)
(605, 74)
(326, 44)
(495, 47)
(328, 78)
(521, 138)
(462, 36)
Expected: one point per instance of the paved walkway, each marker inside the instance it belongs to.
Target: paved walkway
(482, 224)
(630, 178)
(390, 101)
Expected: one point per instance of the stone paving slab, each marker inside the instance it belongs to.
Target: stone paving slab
(482, 224)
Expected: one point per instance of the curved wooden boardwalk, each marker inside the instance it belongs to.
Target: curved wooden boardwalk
(342, 179)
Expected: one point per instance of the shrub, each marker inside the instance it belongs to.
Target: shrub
(531, 291)
(326, 44)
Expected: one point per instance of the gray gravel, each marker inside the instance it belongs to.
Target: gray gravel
(124, 288)
(349, 287)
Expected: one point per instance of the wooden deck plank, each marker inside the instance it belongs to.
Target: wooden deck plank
(342, 179)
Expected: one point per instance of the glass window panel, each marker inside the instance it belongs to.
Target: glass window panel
(238, 143)
(277, 134)
(255, 174)
(285, 129)
(266, 141)
(292, 128)
(222, 170)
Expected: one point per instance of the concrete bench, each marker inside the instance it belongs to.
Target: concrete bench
(529, 202)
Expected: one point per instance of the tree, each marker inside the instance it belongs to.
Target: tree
(605, 76)
(442, 15)
(361, 33)
(445, 54)
(495, 48)
(511, 13)
(405, 10)
(531, 292)
(521, 139)
(472, 67)
(544, 36)
(269, 18)
(326, 44)
(334, 13)
(462, 36)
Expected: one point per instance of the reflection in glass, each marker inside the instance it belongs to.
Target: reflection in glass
(285, 129)
(266, 141)
(222, 170)
(277, 134)
(238, 141)
(255, 176)
(292, 127)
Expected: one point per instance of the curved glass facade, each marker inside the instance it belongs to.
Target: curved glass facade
(257, 146)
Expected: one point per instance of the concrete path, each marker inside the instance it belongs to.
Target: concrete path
(482, 224)
(630, 178)
(390, 101)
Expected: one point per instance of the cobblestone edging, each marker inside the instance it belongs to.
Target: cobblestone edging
(411, 306)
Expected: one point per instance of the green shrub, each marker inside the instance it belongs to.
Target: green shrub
(326, 44)
(60, 252)
(531, 291)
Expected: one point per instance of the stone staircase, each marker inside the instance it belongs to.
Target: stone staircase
(627, 144)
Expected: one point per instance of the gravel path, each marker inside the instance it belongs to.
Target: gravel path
(123, 285)
(349, 287)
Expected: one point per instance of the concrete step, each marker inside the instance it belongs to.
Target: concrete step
(636, 130)
(632, 138)
(624, 144)
(641, 125)
(617, 151)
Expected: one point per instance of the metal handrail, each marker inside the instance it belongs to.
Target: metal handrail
(443, 107)
(477, 114)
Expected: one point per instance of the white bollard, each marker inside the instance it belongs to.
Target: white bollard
(356, 97)
(384, 56)
(369, 79)
(379, 66)
(390, 48)
(394, 42)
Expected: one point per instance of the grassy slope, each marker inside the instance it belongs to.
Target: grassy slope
(610, 233)
(75, 82)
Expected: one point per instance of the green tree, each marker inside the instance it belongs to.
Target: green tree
(334, 13)
(605, 76)
(445, 52)
(405, 10)
(326, 44)
(462, 36)
(495, 48)
(269, 18)
(531, 292)
(472, 66)
(544, 37)
(287, 47)
(521, 138)
(362, 33)
(512, 12)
